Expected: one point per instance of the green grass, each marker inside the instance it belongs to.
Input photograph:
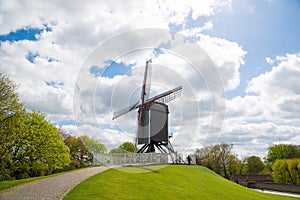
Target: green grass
(171, 182)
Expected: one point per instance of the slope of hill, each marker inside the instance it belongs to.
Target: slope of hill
(171, 182)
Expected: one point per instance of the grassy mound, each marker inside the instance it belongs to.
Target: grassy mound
(171, 182)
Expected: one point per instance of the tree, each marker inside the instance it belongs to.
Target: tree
(201, 155)
(45, 148)
(93, 146)
(286, 171)
(80, 156)
(127, 146)
(117, 150)
(11, 136)
(254, 164)
(36, 147)
(219, 158)
(293, 170)
(9, 101)
(235, 166)
(10, 118)
(283, 151)
(29, 144)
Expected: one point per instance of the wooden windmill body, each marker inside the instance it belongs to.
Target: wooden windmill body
(152, 131)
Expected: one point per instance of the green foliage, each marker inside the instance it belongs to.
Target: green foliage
(117, 150)
(235, 166)
(29, 144)
(93, 146)
(254, 165)
(47, 148)
(171, 182)
(219, 158)
(127, 146)
(287, 171)
(123, 148)
(9, 101)
(80, 156)
(81, 149)
(283, 151)
(10, 115)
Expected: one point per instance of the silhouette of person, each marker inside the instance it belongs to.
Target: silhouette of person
(189, 160)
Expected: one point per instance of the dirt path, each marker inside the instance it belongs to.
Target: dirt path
(50, 188)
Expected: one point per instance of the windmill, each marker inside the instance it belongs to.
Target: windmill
(152, 130)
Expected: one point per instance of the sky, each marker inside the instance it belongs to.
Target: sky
(238, 63)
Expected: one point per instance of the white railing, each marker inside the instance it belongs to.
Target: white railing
(132, 158)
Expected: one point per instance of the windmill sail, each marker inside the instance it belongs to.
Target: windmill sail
(146, 84)
(125, 110)
(166, 96)
(148, 80)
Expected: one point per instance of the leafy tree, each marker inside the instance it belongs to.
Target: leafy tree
(36, 147)
(215, 159)
(45, 149)
(93, 146)
(29, 144)
(201, 154)
(117, 150)
(127, 146)
(235, 166)
(254, 164)
(283, 151)
(9, 101)
(287, 171)
(293, 170)
(11, 138)
(219, 158)
(10, 116)
(80, 156)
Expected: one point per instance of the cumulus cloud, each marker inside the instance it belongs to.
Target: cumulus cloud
(269, 112)
(49, 81)
(279, 88)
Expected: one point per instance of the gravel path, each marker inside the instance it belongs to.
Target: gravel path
(50, 188)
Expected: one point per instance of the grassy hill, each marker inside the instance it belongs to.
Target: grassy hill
(171, 182)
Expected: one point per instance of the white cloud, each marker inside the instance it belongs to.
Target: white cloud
(279, 88)
(78, 27)
(269, 60)
(228, 57)
(269, 112)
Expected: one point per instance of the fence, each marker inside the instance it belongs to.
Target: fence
(133, 158)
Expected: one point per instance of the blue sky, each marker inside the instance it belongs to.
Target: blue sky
(45, 48)
(263, 29)
(21, 34)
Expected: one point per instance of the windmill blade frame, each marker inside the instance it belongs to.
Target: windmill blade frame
(144, 86)
(167, 96)
(125, 110)
(148, 80)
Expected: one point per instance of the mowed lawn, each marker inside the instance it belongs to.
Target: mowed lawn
(170, 182)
